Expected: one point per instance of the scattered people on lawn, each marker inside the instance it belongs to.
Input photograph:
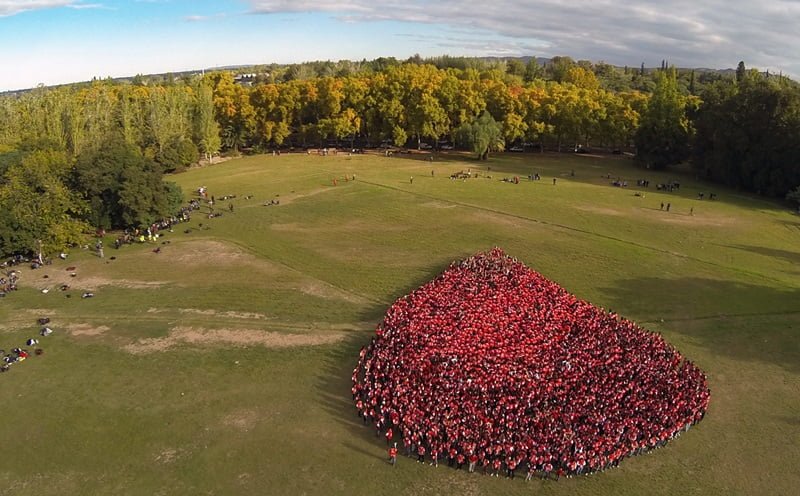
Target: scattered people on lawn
(668, 206)
(393, 455)
(554, 181)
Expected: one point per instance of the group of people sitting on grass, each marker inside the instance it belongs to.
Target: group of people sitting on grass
(8, 283)
(493, 366)
(19, 355)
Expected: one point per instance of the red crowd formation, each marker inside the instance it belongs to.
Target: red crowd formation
(493, 365)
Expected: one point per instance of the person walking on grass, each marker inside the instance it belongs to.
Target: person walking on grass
(393, 455)
(668, 205)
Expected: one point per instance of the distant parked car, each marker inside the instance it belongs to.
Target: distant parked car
(516, 148)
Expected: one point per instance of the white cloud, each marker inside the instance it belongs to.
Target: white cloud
(12, 7)
(203, 18)
(83, 6)
(715, 33)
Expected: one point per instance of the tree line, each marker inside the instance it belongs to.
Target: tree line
(113, 141)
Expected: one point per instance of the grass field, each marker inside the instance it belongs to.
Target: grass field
(222, 364)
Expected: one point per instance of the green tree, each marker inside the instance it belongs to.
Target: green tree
(664, 131)
(122, 187)
(483, 135)
(533, 71)
(234, 112)
(747, 135)
(206, 129)
(559, 67)
(515, 67)
(39, 213)
(741, 72)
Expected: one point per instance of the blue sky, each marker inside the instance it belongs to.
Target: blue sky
(59, 41)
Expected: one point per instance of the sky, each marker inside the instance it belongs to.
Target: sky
(61, 41)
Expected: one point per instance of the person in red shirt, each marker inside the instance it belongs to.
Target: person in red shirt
(389, 436)
(393, 455)
(473, 460)
(496, 464)
(421, 453)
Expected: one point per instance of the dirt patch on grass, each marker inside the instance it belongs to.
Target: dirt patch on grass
(288, 227)
(241, 420)
(435, 204)
(55, 279)
(24, 318)
(696, 220)
(349, 226)
(227, 315)
(322, 290)
(498, 219)
(213, 313)
(599, 210)
(217, 253)
(169, 455)
(296, 196)
(86, 329)
(231, 337)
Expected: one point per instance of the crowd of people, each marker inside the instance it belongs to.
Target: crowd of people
(494, 366)
(152, 232)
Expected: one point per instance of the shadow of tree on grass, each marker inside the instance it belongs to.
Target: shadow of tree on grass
(743, 321)
(789, 256)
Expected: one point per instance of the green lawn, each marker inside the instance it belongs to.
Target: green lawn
(222, 364)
